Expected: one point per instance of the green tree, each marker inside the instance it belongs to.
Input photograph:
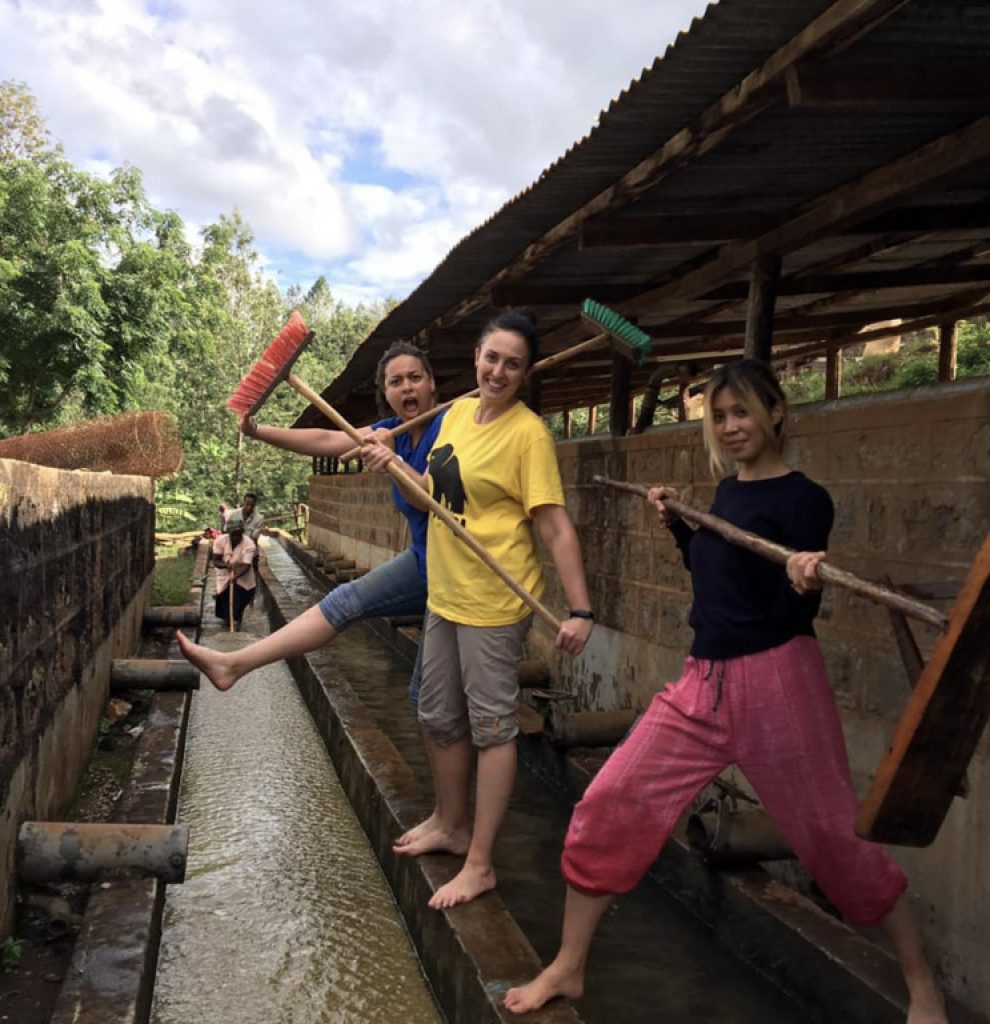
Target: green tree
(85, 288)
(23, 135)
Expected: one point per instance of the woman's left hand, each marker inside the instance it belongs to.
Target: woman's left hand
(802, 571)
(574, 635)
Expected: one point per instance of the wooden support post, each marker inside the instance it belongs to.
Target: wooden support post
(763, 279)
(592, 419)
(619, 411)
(947, 340)
(567, 424)
(682, 390)
(534, 392)
(51, 851)
(833, 373)
(152, 674)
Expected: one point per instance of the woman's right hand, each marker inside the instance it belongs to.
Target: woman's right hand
(655, 498)
(247, 425)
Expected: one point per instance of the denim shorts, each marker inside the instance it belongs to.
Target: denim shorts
(395, 588)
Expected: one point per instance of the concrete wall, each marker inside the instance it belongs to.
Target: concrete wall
(910, 476)
(77, 551)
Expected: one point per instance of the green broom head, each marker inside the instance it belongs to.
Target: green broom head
(624, 336)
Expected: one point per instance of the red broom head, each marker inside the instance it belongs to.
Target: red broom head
(273, 365)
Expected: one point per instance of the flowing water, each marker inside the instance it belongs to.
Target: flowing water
(284, 917)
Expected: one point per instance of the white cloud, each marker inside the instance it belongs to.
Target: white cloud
(365, 141)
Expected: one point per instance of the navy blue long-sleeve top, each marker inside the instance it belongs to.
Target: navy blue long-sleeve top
(742, 602)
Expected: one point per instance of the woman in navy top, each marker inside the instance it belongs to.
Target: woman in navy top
(753, 693)
(405, 380)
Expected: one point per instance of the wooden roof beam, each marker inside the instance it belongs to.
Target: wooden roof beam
(838, 26)
(676, 229)
(925, 167)
(819, 85)
(875, 280)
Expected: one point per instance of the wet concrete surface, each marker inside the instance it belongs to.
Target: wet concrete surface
(652, 960)
(284, 915)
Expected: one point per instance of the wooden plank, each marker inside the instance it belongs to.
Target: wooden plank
(940, 728)
(667, 229)
(618, 422)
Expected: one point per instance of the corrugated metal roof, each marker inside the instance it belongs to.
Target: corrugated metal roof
(774, 163)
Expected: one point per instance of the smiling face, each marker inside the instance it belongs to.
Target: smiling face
(501, 364)
(742, 433)
(408, 388)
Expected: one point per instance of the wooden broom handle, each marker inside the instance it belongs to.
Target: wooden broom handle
(538, 367)
(401, 478)
(779, 553)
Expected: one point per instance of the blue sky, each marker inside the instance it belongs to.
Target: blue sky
(359, 142)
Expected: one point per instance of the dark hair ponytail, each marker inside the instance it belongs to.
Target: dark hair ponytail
(519, 321)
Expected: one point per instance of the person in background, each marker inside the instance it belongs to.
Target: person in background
(254, 521)
(233, 559)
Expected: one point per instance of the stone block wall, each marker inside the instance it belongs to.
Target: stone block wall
(352, 515)
(77, 551)
(910, 476)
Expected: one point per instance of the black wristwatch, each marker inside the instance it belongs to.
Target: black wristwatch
(581, 613)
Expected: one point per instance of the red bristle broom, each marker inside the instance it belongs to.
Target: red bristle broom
(275, 366)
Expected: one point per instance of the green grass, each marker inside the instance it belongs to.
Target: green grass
(173, 574)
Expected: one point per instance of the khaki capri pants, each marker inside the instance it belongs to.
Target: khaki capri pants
(470, 681)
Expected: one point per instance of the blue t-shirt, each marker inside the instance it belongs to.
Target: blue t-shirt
(417, 458)
(742, 602)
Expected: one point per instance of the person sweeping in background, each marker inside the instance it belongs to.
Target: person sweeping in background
(494, 466)
(753, 692)
(233, 559)
(405, 381)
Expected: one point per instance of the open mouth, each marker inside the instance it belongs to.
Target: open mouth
(410, 406)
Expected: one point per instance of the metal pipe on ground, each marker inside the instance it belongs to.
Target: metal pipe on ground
(722, 837)
(588, 728)
(52, 851)
(152, 674)
(177, 616)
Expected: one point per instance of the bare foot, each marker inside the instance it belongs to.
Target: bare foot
(468, 884)
(431, 824)
(555, 980)
(437, 840)
(213, 664)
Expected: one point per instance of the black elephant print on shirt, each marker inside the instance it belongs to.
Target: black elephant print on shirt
(448, 488)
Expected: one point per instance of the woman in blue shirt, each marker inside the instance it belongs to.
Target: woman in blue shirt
(405, 380)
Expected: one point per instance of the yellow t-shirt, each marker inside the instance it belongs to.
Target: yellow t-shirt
(490, 476)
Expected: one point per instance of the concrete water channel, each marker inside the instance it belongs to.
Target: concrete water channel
(285, 915)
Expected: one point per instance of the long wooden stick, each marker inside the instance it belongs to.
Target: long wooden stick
(410, 485)
(230, 600)
(538, 367)
(779, 553)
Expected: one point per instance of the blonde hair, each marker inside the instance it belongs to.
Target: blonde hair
(756, 386)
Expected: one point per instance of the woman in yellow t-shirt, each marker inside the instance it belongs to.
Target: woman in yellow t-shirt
(494, 467)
